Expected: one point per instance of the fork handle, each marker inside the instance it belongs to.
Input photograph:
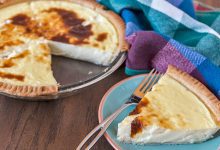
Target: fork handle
(104, 124)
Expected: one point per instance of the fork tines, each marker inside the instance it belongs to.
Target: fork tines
(150, 80)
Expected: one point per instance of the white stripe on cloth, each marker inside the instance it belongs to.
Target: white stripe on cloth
(177, 15)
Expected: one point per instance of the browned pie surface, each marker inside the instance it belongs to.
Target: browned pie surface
(148, 118)
(56, 24)
(65, 26)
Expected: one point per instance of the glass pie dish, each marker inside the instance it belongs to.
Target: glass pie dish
(72, 75)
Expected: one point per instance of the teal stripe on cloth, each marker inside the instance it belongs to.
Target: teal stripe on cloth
(132, 72)
(118, 6)
(205, 43)
(207, 17)
(188, 36)
(161, 23)
(209, 46)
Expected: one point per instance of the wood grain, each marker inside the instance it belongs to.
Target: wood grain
(57, 125)
(214, 3)
(60, 124)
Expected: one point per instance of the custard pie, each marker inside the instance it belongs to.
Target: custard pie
(32, 31)
(178, 109)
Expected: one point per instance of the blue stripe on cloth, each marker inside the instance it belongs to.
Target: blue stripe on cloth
(211, 76)
(135, 21)
(187, 7)
(195, 58)
(131, 28)
(176, 3)
(132, 22)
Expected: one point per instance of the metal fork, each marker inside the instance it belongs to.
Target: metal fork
(135, 98)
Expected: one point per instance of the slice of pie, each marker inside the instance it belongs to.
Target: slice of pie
(178, 109)
(25, 70)
(30, 32)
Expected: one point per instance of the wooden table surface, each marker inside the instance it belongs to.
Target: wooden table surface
(56, 125)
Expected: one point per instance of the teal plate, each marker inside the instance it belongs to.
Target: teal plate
(119, 94)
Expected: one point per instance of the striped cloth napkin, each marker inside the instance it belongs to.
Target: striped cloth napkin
(163, 32)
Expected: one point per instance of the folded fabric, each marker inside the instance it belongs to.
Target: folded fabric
(162, 51)
(170, 32)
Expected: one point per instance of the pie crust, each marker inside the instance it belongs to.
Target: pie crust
(200, 90)
(27, 91)
(2, 1)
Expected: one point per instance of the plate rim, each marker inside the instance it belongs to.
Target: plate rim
(102, 102)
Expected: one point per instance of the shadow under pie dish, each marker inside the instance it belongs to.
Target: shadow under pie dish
(32, 31)
(178, 110)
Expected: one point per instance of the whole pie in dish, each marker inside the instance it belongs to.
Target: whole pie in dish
(178, 109)
(30, 32)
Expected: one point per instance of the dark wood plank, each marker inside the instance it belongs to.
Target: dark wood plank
(214, 3)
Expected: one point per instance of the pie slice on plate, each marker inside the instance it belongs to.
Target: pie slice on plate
(178, 109)
(32, 31)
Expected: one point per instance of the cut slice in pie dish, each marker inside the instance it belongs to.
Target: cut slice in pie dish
(25, 70)
(178, 109)
(32, 31)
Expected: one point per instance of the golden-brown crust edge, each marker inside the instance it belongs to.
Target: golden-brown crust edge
(200, 90)
(27, 91)
(2, 1)
(111, 16)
